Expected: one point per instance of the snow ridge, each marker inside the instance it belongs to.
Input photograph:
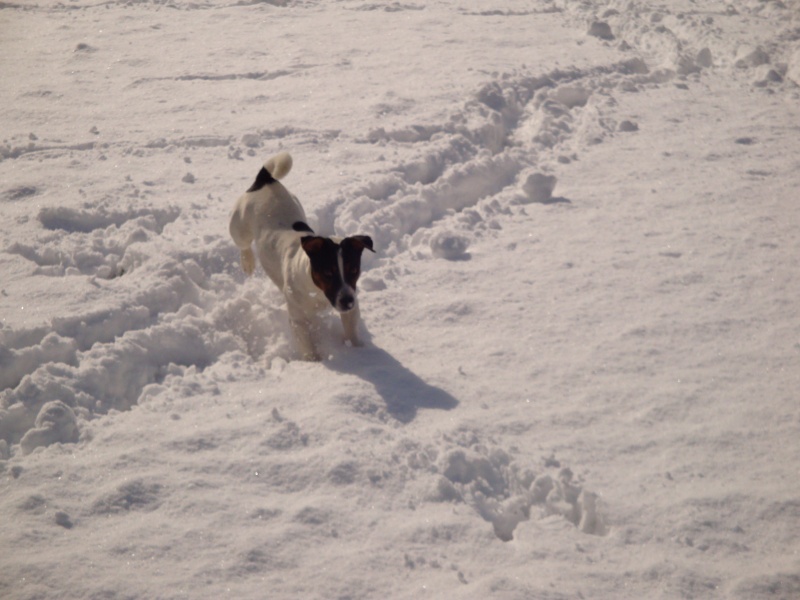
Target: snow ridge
(497, 151)
(482, 161)
(158, 412)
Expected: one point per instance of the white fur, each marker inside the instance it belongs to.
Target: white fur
(265, 217)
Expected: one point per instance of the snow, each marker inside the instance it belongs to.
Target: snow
(581, 372)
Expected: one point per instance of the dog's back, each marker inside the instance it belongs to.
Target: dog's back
(268, 210)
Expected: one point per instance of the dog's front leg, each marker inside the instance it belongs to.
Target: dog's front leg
(302, 330)
(350, 321)
(248, 261)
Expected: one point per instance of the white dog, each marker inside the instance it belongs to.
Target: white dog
(312, 272)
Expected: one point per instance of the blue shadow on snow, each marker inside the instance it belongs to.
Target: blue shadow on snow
(403, 391)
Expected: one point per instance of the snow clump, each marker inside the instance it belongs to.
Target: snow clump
(449, 245)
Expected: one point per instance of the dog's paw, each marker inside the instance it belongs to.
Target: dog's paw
(311, 356)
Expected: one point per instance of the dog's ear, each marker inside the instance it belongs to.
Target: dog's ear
(302, 226)
(358, 243)
(312, 244)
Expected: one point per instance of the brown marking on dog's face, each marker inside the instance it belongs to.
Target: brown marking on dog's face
(335, 268)
(323, 254)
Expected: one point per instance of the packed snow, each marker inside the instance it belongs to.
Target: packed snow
(582, 365)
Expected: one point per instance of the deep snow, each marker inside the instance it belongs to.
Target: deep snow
(582, 370)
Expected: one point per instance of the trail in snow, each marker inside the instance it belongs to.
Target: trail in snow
(182, 311)
(477, 165)
(162, 315)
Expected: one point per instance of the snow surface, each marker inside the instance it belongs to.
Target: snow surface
(582, 372)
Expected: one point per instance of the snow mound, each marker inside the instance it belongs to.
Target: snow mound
(538, 187)
(449, 245)
(55, 423)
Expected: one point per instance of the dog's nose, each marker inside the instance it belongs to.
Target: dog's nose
(347, 302)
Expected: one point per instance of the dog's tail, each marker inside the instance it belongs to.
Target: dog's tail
(275, 168)
(279, 165)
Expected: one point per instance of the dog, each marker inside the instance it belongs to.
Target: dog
(313, 272)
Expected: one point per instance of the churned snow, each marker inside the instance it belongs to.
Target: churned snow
(582, 372)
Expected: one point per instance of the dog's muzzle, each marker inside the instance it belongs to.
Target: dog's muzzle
(345, 302)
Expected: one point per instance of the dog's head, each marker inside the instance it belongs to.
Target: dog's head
(335, 267)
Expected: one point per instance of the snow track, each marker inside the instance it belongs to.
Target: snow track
(478, 164)
(137, 362)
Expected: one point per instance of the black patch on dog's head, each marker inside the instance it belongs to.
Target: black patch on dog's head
(301, 226)
(263, 178)
(324, 256)
(352, 248)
